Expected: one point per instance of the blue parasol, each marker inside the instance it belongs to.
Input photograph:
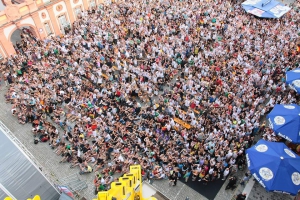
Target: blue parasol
(285, 121)
(265, 8)
(293, 79)
(274, 166)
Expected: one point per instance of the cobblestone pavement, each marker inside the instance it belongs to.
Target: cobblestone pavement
(181, 191)
(259, 193)
(178, 192)
(157, 194)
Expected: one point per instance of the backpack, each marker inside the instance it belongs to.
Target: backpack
(36, 141)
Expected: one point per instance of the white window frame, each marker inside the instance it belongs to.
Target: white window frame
(92, 3)
(49, 29)
(63, 24)
(76, 11)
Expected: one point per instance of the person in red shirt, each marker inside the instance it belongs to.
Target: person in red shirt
(118, 93)
(219, 82)
(278, 89)
(193, 105)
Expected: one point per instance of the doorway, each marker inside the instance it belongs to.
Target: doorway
(21, 36)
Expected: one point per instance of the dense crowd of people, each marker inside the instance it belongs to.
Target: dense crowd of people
(179, 87)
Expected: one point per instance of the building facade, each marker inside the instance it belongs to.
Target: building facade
(43, 17)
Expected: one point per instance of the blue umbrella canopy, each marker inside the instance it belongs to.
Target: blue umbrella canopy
(265, 8)
(285, 121)
(293, 79)
(274, 166)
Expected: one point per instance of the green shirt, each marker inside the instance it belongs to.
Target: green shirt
(178, 60)
(101, 188)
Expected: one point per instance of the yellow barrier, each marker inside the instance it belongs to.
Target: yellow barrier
(36, 197)
(129, 187)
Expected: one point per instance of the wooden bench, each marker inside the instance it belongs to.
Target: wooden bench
(182, 123)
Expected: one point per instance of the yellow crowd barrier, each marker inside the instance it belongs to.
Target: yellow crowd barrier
(129, 187)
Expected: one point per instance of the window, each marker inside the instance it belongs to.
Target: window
(48, 28)
(107, 2)
(77, 11)
(63, 22)
(92, 3)
(46, 1)
(2, 53)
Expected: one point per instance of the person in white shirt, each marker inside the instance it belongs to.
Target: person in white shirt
(225, 173)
